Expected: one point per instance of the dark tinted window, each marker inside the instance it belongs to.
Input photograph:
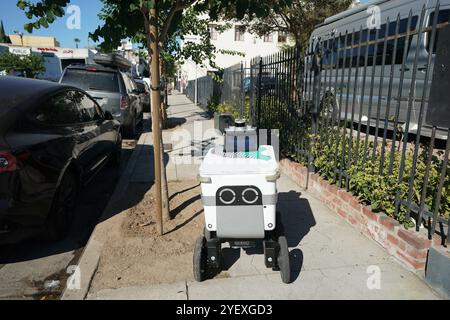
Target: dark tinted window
(65, 108)
(92, 80)
(353, 48)
(444, 16)
(90, 110)
(141, 86)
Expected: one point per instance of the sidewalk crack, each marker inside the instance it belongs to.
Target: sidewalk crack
(187, 290)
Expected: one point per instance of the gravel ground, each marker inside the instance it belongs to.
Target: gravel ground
(135, 255)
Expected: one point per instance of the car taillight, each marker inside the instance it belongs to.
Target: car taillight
(8, 162)
(123, 102)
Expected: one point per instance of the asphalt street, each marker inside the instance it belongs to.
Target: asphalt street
(36, 269)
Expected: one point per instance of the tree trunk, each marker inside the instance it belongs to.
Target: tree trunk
(156, 102)
(165, 187)
(163, 102)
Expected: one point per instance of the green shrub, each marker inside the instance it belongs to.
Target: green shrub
(365, 182)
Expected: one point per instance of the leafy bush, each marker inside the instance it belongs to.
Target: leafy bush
(31, 65)
(380, 190)
(365, 181)
(231, 108)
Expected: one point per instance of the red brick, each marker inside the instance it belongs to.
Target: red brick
(392, 239)
(389, 222)
(354, 203)
(370, 214)
(417, 254)
(344, 195)
(413, 263)
(414, 239)
(342, 213)
(333, 189)
(337, 201)
(351, 220)
(437, 240)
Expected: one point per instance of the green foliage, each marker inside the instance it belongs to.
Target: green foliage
(366, 182)
(298, 19)
(231, 108)
(31, 65)
(176, 19)
(330, 149)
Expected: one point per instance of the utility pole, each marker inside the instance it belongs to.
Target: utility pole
(156, 117)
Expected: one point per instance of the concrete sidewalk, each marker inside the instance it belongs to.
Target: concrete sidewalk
(330, 259)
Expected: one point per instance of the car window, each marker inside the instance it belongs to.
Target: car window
(92, 79)
(90, 109)
(129, 84)
(141, 86)
(64, 108)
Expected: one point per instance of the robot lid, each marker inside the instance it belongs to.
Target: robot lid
(217, 162)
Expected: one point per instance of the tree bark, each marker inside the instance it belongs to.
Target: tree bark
(156, 124)
(163, 102)
(165, 188)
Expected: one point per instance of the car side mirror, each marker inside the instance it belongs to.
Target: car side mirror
(108, 116)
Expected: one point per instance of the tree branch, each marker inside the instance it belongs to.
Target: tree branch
(179, 6)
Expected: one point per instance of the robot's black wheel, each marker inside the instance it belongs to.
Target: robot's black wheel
(207, 234)
(283, 260)
(199, 261)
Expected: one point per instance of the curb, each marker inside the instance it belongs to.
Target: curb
(90, 257)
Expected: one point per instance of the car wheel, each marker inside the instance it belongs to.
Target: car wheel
(130, 131)
(62, 210)
(117, 154)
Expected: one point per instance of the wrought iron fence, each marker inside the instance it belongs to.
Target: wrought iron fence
(230, 88)
(206, 90)
(368, 110)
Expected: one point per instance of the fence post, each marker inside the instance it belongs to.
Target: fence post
(258, 97)
(242, 95)
(316, 68)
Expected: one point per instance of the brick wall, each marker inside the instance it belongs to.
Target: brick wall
(408, 246)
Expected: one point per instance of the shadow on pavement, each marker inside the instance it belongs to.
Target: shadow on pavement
(140, 180)
(92, 202)
(296, 219)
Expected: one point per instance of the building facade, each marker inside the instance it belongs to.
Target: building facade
(238, 40)
(33, 41)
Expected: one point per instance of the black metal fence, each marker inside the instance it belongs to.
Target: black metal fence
(368, 109)
(230, 89)
(206, 90)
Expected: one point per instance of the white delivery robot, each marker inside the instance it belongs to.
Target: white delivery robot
(239, 196)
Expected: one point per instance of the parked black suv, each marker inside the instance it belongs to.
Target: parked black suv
(114, 90)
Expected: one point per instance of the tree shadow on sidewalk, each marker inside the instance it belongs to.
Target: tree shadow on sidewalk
(296, 220)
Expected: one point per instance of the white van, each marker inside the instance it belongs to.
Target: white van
(360, 84)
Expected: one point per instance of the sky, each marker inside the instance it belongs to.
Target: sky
(14, 19)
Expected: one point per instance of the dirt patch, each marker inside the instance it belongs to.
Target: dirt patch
(134, 254)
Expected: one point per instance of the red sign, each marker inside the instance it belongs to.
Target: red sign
(48, 49)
